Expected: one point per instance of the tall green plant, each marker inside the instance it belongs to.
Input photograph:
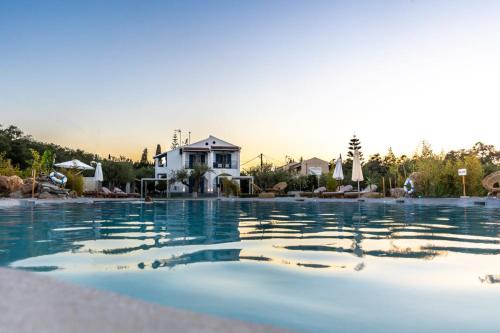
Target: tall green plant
(36, 162)
(6, 168)
(47, 162)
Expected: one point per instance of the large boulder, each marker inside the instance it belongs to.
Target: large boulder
(372, 195)
(28, 187)
(492, 183)
(16, 195)
(418, 180)
(9, 184)
(397, 192)
(47, 195)
(53, 189)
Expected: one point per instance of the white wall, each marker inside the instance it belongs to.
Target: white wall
(175, 162)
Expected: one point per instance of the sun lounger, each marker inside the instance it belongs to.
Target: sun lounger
(120, 193)
(367, 190)
(278, 188)
(338, 194)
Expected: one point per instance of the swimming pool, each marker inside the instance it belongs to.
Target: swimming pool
(313, 267)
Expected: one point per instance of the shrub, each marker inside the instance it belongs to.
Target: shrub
(117, 173)
(6, 168)
(75, 182)
(327, 180)
(475, 175)
(230, 187)
(47, 161)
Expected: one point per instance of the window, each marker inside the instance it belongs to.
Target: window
(222, 161)
(195, 159)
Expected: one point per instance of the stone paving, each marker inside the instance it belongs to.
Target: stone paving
(35, 303)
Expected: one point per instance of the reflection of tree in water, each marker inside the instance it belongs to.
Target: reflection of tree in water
(391, 222)
(490, 278)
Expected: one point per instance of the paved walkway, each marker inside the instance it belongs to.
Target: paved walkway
(35, 303)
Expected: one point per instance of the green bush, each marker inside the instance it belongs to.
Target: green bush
(75, 182)
(440, 176)
(230, 187)
(117, 173)
(6, 168)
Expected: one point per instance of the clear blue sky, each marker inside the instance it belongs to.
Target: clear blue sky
(282, 77)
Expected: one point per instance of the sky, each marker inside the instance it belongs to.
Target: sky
(294, 78)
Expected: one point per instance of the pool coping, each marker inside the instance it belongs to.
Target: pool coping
(37, 303)
(489, 202)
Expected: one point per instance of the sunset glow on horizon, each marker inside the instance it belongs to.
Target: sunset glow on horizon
(283, 78)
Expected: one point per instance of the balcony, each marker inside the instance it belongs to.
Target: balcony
(223, 166)
(191, 164)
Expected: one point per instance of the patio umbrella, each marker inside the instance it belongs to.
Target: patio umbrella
(74, 164)
(338, 174)
(357, 172)
(98, 175)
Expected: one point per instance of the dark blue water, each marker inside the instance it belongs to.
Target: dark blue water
(314, 267)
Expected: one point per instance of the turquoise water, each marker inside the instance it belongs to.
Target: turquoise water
(312, 267)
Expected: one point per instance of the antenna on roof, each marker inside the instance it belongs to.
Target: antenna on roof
(180, 135)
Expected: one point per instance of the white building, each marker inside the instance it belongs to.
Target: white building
(222, 157)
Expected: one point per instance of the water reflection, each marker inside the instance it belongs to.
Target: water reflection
(358, 229)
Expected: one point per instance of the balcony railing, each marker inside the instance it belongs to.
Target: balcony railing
(223, 166)
(190, 165)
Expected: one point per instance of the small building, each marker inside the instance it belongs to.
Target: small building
(221, 156)
(312, 166)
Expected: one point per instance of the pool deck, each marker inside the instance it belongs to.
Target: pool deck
(36, 303)
(489, 202)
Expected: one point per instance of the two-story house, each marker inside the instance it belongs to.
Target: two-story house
(222, 157)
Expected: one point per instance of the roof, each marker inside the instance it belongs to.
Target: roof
(210, 143)
(297, 165)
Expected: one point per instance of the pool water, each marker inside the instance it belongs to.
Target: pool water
(312, 267)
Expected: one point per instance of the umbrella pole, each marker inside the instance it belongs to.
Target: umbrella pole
(358, 190)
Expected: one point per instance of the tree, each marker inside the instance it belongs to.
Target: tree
(192, 179)
(355, 144)
(47, 161)
(144, 156)
(117, 172)
(158, 149)
(35, 168)
(175, 142)
(487, 154)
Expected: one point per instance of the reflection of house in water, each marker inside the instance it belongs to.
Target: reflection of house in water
(220, 255)
(217, 255)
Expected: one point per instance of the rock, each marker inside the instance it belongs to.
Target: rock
(53, 189)
(16, 195)
(9, 184)
(73, 194)
(28, 186)
(148, 199)
(397, 192)
(46, 195)
(372, 195)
